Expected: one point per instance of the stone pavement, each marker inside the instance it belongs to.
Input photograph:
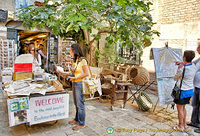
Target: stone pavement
(125, 122)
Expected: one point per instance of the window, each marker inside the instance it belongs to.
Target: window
(129, 54)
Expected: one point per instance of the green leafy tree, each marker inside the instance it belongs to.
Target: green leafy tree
(126, 21)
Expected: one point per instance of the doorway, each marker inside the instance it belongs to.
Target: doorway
(38, 39)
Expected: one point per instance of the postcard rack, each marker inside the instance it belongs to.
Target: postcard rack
(7, 52)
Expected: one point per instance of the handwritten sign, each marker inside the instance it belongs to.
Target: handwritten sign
(48, 108)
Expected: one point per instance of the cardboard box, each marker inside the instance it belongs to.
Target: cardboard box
(57, 85)
(22, 75)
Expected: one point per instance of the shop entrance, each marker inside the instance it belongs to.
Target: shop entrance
(37, 39)
(37, 36)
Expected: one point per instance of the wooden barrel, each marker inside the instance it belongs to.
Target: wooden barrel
(139, 75)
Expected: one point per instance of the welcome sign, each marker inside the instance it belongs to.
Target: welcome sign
(48, 108)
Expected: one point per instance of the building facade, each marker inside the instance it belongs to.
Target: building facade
(178, 22)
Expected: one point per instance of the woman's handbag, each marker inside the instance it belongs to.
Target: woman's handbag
(90, 84)
(176, 92)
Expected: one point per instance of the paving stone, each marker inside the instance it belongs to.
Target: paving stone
(161, 134)
(146, 120)
(90, 107)
(98, 118)
(36, 133)
(128, 118)
(126, 124)
(135, 114)
(179, 134)
(156, 118)
(3, 117)
(77, 134)
(149, 128)
(192, 133)
(4, 124)
(89, 131)
(19, 130)
(68, 130)
(106, 123)
(141, 134)
(161, 125)
(6, 131)
(100, 129)
(91, 123)
(55, 133)
(92, 118)
(131, 133)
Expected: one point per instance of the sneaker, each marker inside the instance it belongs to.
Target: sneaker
(193, 125)
(197, 130)
(72, 122)
(78, 127)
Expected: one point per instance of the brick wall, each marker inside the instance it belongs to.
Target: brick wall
(178, 11)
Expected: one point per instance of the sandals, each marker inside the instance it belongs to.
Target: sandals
(186, 127)
(178, 128)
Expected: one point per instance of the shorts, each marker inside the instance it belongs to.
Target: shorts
(182, 101)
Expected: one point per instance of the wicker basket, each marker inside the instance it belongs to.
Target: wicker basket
(139, 75)
(145, 101)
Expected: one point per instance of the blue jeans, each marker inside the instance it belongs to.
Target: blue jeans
(79, 102)
(195, 119)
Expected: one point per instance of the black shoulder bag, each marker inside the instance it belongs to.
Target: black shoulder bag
(176, 92)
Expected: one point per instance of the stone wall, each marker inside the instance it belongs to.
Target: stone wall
(179, 11)
(178, 22)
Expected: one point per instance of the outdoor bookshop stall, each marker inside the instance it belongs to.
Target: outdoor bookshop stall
(33, 96)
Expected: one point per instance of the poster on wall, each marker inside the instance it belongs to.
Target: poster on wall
(49, 108)
(18, 110)
(165, 68)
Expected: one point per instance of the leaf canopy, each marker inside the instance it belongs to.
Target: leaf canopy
(126, 21)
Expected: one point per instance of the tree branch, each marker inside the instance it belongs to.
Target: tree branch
(100, 32)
